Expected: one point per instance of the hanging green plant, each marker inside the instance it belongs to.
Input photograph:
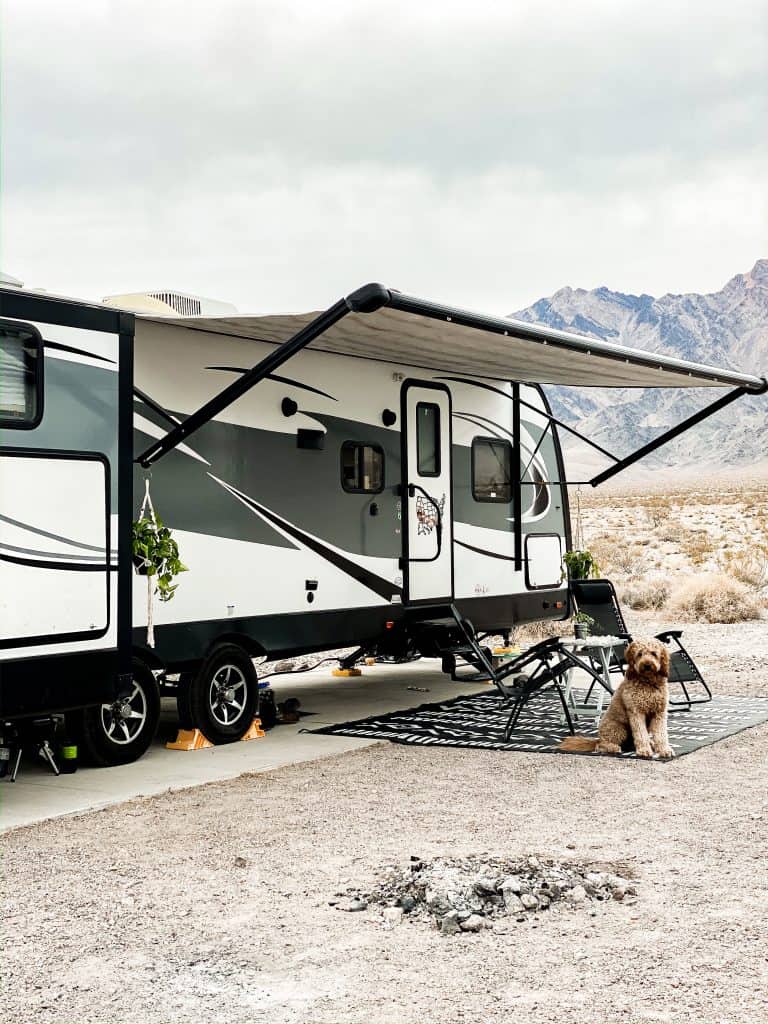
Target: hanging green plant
(581, 565)
(156, 554)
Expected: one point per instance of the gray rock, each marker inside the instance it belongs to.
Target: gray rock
(512, 903)
(543, 901)
(407, 903)
(438, 903)
(484, 885)
(353, 906)
(529, 902)
(576, 895)
(464, 915)
(474, 923)
(618, 892)
(450, 924)
(393, 916)
(512, 883)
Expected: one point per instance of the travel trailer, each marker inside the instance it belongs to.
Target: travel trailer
(383, 474)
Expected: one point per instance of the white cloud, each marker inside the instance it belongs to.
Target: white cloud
(278, 154)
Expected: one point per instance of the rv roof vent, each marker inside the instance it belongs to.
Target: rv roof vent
(170, 303)
(185, 305)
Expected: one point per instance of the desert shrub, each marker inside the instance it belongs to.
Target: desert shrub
(749, 565)
(618, 557)
(715, 597)
(645, 595)
(672, 531)
(657, 510)
(698, 546)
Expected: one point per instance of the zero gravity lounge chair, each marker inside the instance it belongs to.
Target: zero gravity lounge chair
(597, 598)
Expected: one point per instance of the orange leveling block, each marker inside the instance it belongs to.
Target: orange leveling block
(193, 739)
(189, 739)
(346, 672)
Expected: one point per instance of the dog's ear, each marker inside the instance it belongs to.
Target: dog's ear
(664, 660)
(630, 654)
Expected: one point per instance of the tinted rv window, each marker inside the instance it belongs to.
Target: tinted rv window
(428, 438)
(362, 468)
(491, 470)
(20, 368)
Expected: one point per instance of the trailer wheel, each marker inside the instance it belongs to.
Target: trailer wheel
(221, 699)
(121, 732)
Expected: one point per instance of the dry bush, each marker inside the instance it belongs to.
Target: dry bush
(715, 597)
(698, 546)
(749, 565)
(673, 532)
(645, 595)
(658, 510)
(533, 632)
(617, 556)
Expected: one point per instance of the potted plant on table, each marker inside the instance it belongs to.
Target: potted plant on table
(582, 624)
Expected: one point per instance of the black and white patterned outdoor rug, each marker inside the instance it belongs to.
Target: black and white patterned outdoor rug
(478, 720)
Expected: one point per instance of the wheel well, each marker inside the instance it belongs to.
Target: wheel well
(249, 645)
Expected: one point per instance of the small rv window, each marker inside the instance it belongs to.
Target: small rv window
(491, 470)
(362, 468)
(20, 376)
(428, 438)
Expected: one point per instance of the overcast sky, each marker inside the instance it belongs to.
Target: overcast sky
(278, 154)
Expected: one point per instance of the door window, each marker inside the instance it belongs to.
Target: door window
(428, 439)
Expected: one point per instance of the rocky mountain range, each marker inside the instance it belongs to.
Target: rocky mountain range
(728, 328)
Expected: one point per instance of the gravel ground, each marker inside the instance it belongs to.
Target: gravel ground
(212, 904)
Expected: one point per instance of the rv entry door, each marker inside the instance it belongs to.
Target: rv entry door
(428, 554)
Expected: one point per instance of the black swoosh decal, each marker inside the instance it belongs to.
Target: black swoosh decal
(76, 351)
(69, 566)
(155, 406)
(51, 536)
(477, 423)
(281, 380)
(46, 554)
(368, 579)
(481, 551)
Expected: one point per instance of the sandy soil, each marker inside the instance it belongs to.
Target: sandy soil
(139, 913)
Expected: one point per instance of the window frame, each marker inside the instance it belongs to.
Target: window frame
(361, 444)
(483, 439)
(34, 343)
(438, 440)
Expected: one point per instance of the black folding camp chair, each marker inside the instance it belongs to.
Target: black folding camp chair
(529, 673)
(597, 598)
(545, 664)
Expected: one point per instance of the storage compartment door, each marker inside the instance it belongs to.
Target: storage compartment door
(54, 547)
(543, 561)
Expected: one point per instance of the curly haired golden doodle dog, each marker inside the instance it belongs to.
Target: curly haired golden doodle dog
(638, 708)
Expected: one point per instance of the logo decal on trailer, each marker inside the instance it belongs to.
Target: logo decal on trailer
(426, 514)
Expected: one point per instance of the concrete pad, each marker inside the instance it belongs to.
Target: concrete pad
(38, 794)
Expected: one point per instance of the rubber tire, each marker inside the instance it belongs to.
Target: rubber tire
(194, 708)
(95, 745)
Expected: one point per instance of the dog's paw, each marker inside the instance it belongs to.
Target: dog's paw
(666, 753)
(644, 752)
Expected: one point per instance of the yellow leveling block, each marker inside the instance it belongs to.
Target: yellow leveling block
(193, 739)
(346, 672)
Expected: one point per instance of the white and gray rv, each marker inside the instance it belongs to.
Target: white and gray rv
(356, 477)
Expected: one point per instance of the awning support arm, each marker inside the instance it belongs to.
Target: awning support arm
(364, 300)
(674, 432)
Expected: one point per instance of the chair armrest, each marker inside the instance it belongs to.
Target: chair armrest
(669, 634)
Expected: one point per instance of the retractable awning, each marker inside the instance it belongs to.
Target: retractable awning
(378, 323)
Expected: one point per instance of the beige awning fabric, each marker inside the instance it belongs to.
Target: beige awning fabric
(413, 332)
